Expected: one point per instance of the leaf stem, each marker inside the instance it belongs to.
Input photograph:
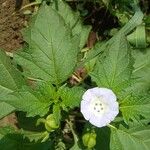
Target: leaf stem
(31, 4)
(39, 121)
(111, 126)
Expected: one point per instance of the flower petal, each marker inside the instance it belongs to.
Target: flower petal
(87, 96)
(85, 110)
(97, 97)
(99, 121)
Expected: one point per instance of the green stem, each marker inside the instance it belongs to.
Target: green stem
(73, 132)
(31, 4)
(46, 137)
(111, 126)
(39, 121)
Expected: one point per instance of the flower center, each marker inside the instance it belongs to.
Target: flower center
(97, 106)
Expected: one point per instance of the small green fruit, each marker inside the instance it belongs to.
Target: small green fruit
(50, 123)
(89, 140)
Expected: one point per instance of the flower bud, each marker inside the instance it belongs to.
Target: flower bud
(89, 140)
(50, 123)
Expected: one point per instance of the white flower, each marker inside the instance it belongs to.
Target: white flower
(99, 106)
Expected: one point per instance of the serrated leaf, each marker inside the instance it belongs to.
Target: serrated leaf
(142, 70)
(10, 139)
(10, 80)
(33, 103)
(46, 89)
(52, 48)
(114, 69)
(71, 97)
(131, 139)
(73, 20)
(60, 146)
(34, 136)
(134, 106)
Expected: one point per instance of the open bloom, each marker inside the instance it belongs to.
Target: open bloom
(99, 106)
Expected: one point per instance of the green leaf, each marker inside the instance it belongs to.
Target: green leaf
(75, 147)
(73, 20)
(34, 136)
(57, 113)
(138, 139)
(134, 106)
(114, 69)
(47, 90)
(10, 139)
(71, 97)
(60, 146)
(5, 109)
(51, 50)
(34, 103)
(10, 80)
(133, 22)
(102, 138)
(142, 70)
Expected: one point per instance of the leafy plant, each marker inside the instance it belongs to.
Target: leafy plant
(36, 82)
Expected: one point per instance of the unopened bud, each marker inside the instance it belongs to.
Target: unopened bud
(50, 123)
(89, 140)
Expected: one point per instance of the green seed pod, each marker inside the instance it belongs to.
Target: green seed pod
(50, 123)
(89, 140)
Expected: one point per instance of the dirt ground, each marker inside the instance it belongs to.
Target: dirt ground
(11, 24)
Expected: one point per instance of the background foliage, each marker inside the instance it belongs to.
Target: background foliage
(36, 82)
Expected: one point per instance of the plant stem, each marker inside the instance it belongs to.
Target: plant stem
(31, 4)
(73, 132)
(39, 121)
(111, 126)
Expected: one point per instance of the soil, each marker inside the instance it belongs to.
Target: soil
(10, 120)
(11, 23)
